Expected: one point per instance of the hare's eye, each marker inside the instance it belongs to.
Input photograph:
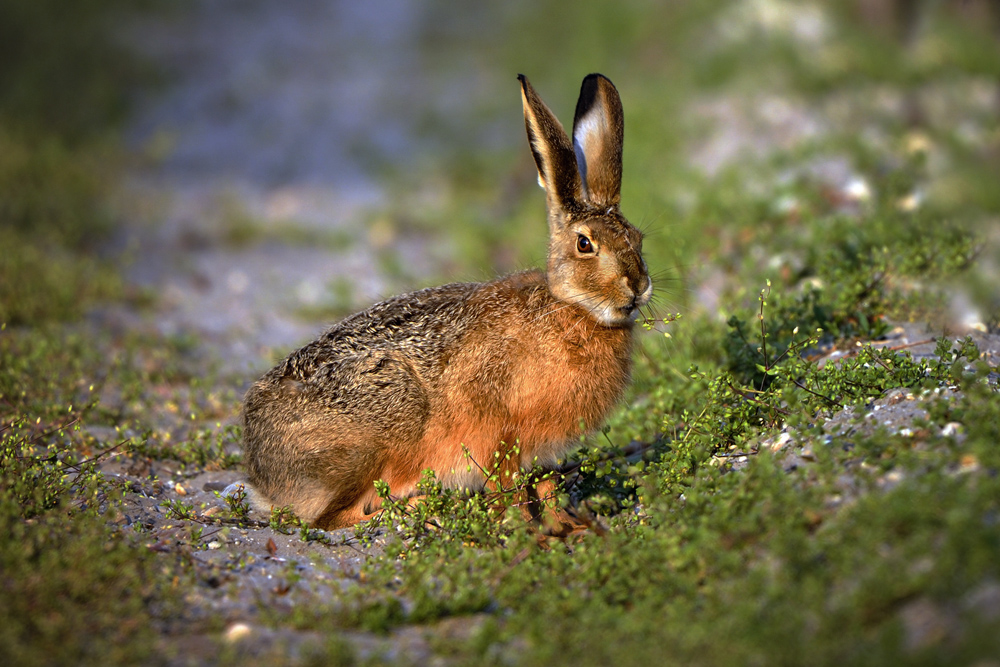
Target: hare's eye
(583, 244)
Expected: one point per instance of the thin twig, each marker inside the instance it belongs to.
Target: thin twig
(99, 455)
(818, 395)
(763, 332)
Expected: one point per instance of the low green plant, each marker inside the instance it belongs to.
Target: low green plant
(178, 509)
(440, 515)
(236, 503)
(203, 448)
(59, 550)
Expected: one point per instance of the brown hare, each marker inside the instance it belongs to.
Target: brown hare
(523, 364)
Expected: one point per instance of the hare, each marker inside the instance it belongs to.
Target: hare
(521, 365)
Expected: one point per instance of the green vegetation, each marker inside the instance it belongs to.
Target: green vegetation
(771, 516)
(74, 592)
(76, 589)
(63, 91)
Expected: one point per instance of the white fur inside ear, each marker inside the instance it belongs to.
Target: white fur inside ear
(586, 138)
(541, 181)
(589, 127)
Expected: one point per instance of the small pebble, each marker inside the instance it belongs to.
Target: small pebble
(857, 189)
(180, 490)
(891, 478)
(911, 202)
(951, 428)
(236, 632)
(917, 142)
(214, 544)
(968, 463)
(780, 442)
(233, 489)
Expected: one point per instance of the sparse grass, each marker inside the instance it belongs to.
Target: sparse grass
(75, 588)
(51, 218)
(74, 592)
(41, 282)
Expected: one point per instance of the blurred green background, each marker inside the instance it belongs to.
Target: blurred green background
(744, 120)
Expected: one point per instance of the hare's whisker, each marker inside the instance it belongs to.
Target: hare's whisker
(566, 304)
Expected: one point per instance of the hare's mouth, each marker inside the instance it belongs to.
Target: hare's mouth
(628, 308)
(613, 311)
(617, 315)
(636, 302)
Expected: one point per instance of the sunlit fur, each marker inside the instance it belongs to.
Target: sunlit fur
(534, 358)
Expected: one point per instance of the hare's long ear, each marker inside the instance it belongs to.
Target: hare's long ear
(551, 148)
(598, 133)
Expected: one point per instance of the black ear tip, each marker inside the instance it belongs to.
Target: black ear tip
(595, 79)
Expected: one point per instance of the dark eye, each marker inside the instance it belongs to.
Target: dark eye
(583, 244)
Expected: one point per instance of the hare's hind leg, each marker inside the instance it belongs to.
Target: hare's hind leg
(338, 516)
(307, 463)
(319, 446)
(544, 508)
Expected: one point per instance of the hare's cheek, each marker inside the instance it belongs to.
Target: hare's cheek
(563, 281)
(603, 268)
(583, 276)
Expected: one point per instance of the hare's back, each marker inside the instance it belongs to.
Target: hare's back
(417, 329)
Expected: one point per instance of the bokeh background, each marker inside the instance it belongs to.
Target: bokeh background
(251, 170)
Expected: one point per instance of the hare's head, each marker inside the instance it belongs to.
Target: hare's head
(595, 254)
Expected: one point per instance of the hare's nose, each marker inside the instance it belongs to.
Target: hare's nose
(638, 286)
(642, 291)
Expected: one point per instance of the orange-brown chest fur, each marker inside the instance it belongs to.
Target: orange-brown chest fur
(534, 371)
